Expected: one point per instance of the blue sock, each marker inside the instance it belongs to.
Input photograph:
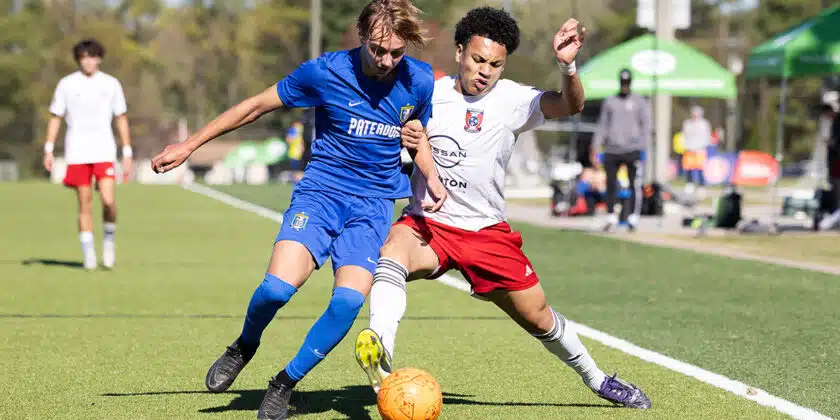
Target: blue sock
(272, 294)
(327, 331)
(582, 188)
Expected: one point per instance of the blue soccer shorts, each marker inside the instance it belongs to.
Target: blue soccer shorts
(345, 227)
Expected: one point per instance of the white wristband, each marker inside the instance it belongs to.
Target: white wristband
(567, 69)
(48, 148)
(127, 152)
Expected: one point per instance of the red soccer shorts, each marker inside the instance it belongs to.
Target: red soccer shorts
(489, 259)
(79, 175)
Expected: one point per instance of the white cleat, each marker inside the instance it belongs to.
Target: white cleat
(607, 224)
(109, 255)
(372, 357)
(830, 221)
(632, 222)
(90, 261)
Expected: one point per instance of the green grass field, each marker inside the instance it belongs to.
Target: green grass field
(135, 342)
(820, 249)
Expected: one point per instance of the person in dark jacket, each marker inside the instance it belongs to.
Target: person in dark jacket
(624, 129)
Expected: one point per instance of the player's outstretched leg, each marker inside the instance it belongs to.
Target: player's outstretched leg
(372, 357)
(290, 265)
(375, 345)
(269, 297)
(529, 309)
(324, 335)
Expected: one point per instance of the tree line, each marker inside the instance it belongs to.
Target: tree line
(192, 59)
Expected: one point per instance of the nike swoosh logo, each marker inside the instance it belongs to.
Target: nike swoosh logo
(352, 104)
(371, 261)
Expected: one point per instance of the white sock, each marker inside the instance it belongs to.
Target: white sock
(109, 229)
(86, 239)
(563, 342)
(387, 301)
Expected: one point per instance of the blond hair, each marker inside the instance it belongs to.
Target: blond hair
(397, 17)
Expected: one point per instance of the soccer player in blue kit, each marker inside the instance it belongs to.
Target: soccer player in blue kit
(343, 207)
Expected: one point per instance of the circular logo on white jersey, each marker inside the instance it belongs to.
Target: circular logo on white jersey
(653, 62)
(446, 151)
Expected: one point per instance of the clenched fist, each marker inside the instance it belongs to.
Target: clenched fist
(412, 134)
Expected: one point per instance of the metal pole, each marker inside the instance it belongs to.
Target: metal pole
(661, 149)
(314, 29)
(779, 153)
(781, 123)
(314, 52)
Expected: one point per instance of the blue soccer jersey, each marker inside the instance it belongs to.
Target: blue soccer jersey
(358, 121)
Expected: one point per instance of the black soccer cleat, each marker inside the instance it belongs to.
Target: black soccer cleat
(222, 374)
(275, 404)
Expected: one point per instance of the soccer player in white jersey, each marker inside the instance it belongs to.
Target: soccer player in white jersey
(88, 100)
(475, 121)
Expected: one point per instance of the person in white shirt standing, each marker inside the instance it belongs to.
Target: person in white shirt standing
(476, 119)
(89, 100)
(697, 136)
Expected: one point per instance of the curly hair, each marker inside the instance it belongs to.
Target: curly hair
(494, 24)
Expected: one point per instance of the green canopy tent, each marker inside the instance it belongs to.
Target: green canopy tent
(272, 151)
(658, 66)
(811, 48)
(245, 153)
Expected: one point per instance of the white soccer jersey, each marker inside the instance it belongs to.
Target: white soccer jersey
(88, 105)
(472, 139)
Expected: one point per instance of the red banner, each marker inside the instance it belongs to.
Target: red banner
(755, 169)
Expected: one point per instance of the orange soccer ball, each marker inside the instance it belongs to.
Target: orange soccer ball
(409, 394)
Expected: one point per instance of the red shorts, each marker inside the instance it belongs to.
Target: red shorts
(489, 259)
(79, 175)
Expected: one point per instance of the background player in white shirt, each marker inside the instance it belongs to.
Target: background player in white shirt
(88, 100)
(475, 121)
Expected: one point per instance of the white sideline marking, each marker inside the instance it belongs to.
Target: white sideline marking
(736, 387)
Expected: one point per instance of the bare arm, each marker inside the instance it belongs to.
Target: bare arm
(125, 139)
(415, 140)
(122, 130)
(563, 104)
(422, 157)
(567, 43)
(52, 129)
(240, 114)
(53, 126)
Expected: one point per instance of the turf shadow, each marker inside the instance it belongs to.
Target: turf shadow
(53, 262)
(350, 401)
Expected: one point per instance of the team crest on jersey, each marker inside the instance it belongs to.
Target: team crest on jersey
(299, 221)
(474, 119)
(405, 112)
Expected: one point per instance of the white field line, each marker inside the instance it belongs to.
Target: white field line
(736, 387)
